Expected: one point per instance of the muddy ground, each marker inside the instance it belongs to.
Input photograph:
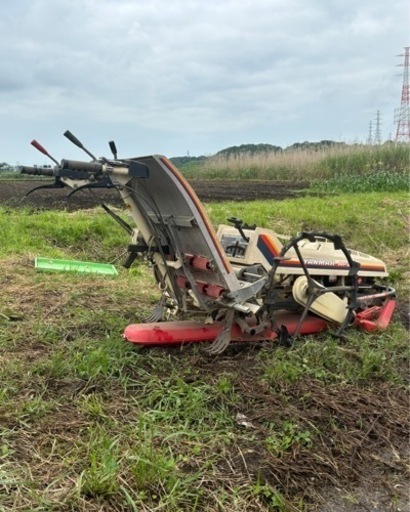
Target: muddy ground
(13, 193)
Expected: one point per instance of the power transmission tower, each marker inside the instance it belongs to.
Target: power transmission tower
(370, 136)
(377, 131)
(402, 117)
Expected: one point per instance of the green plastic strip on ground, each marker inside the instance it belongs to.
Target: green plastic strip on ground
(54, 265)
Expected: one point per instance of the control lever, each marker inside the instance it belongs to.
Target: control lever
(72, 138)
(238, 224)
(43, 150)
(42, 171)
(113, 148)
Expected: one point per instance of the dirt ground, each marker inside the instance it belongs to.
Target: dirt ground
(13, 193)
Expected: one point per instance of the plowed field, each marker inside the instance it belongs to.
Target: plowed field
(12, 193)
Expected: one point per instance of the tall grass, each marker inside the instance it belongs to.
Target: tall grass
(306, 164)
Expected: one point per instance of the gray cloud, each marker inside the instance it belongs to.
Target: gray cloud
(189, 75)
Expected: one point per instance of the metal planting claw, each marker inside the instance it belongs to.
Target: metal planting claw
(223, 339)
(157, 313)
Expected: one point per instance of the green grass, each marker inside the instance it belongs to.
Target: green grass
(377, 181)
(381, 357)
(371, 222)
(90, 423)
(51, 233)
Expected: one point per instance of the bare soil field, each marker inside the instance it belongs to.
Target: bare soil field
(13, 193)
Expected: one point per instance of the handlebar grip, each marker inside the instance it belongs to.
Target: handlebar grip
(39, 147)
(76, 165)
(36, 171)
(72, 138)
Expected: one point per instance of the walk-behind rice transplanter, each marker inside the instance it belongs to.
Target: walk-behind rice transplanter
(241, 283)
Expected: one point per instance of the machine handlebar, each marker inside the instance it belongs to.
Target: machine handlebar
(76, 165)
(36, 171)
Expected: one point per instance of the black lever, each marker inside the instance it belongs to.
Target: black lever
(113, 148)
(238, 224)
(72, 138)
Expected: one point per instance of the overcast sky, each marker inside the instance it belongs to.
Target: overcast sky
(179, 76)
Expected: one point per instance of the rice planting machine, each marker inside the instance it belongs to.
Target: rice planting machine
(239, 283)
